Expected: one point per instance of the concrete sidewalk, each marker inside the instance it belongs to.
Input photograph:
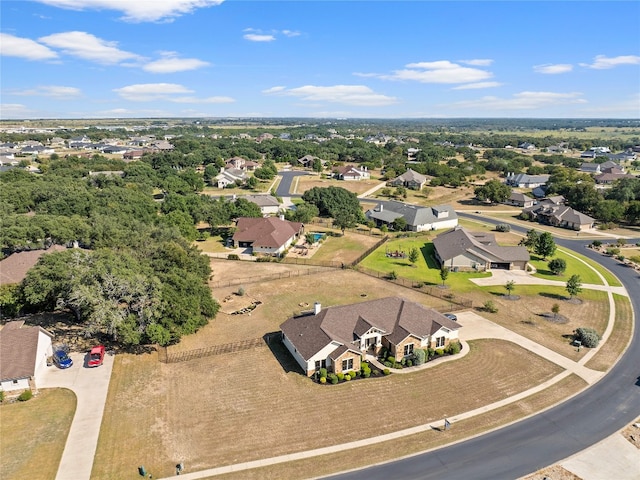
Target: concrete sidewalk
(90, 386)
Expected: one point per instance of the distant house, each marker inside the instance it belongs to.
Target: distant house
(307, 161)
(559, 215)
(230, 176)
(24, 352)
(523, 180)
(336, 338)
(133, 155)
(115, 149)
(419, 219)
(609, 178)
(351, 173)
(269, 235)
(460, 249)
(527, 146)
(588, 167)
(268, 204)
(241, 164)
(264, 136)
(520, 200)
(409, 179)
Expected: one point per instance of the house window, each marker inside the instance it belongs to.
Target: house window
(321, 364)
(408, 349)
(15, 382)
(439, 342)
(347, 364)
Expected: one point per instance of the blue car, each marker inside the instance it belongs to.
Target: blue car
(61, 359)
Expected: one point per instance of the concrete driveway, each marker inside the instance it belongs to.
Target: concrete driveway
(90, 386)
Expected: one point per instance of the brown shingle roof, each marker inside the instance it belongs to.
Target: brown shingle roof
(397, 316)
(14, 268)
(18, 349)
(265, 232)
(459, 241)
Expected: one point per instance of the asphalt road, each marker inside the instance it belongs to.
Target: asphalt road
(287, 179)
(544, 439)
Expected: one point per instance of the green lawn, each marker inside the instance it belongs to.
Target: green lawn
(574, 267)
(424, 270)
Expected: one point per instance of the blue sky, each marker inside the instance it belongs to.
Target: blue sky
(357, 59)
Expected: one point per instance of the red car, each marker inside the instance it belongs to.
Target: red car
(96, 356)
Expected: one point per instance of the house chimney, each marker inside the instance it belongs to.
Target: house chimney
(316, 308)
(281, 217)
(381, 207)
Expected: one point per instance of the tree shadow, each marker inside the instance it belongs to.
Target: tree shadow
(553, 296)
(273, 340)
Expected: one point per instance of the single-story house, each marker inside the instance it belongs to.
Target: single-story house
(559, 216)
(588, 167)
(419, 219)
(270, 235)
(268, 204)
(24, 352)
(351, 173)
(520, 200)
(241, 164)
(133, 154)
(337, 337)
(227, 176)
(523, 180)
(460, 249)
(409, 179)
(609, 178)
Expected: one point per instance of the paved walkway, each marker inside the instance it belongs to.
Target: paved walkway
(371, 191)
(90, 386)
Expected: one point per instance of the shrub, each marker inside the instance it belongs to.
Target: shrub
(409, 363)
(454, 348)
(355, 374)
(403, 361)
(333, 378)
(421, 356)
(1, 396)
(347, 377)
(241, 292)
(392, 275)
(233, 256)
(388, 363)
(430, 353)
(263, 259)
(490, 307)
(386, 371)
(503, 227)
(587, 336)
(557, 266)
(323, 380)
(397, 365)
(366, 374)
(391, 359)
(323, 373)
(24, 396)
(340, 376)
(621, 258)
(439, 352)
(612, 251)
(596, 243)
(383, 353)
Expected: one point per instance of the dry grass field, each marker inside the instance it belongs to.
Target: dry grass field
(302, 184)
(33, 434)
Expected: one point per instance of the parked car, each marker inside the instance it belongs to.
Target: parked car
(96, 356)
(451, 316)
(61, 359)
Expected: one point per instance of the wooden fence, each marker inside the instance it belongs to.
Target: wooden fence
(165, 357)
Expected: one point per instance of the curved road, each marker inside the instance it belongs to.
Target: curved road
(284, 187)
(544, 439)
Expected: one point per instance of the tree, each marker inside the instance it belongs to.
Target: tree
(413, 255)
(574, 285)
(333, 200)
(303, 213)
(493, 191)
(444, 273)
(545, 245)
(344, 220)
(531, 240)
(555, 309)
(588, 337)
(399, 224)
(557, 266)
(509, 286)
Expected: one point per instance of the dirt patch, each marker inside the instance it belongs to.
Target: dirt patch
(511, 298)
(555, 472)
(632, 433)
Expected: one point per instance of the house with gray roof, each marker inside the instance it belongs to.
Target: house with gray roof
(24, 351)
(524, 180)
(268, 204)
(337, 337)
(419, 219)
(270, 235)
(229, 176)
(559, 215)
(460, 249)
(409, 179)
(519, 199)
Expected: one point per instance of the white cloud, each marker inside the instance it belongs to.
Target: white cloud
(202, 100)
(146, 92)
(256, 37)
(138, 10)
(442, 71)
(53, 91)
(290, 33)
(478, 62)
(170, 63)
(553, 69)
(88, 47)
(12, 46)
(14, 110)
(166, 92)
(601, 62)
(274, 90)
(523, 100)
(359, 95)
(471, 86)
